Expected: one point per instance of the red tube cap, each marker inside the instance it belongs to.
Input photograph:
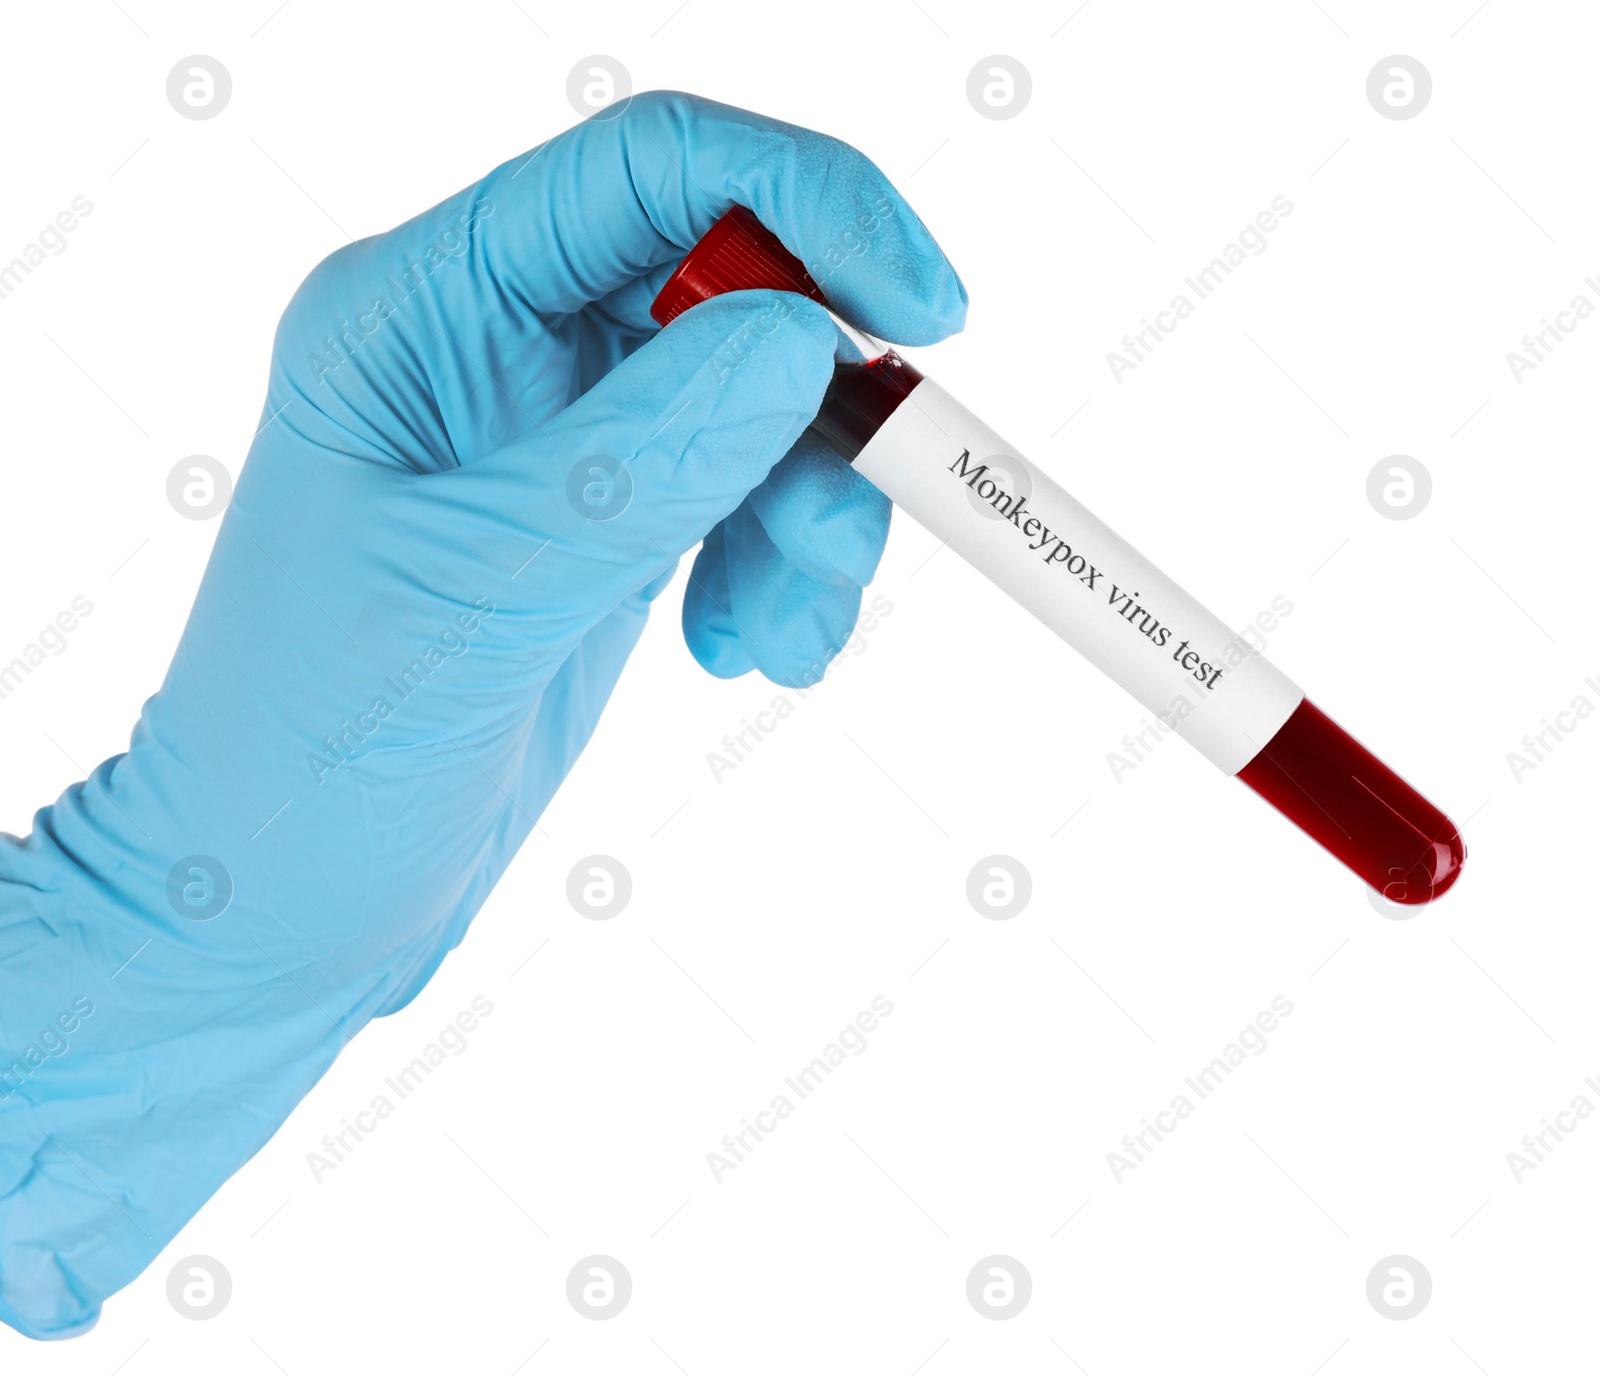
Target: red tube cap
(738, 253)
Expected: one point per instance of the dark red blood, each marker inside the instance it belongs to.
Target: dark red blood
(1358, 809)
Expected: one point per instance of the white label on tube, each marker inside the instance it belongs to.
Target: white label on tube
(943, 466)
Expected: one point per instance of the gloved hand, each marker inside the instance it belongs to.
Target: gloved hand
(479, 463)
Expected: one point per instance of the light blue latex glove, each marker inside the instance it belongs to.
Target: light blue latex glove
(407, 631)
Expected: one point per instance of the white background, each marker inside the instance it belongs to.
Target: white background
(831, 866)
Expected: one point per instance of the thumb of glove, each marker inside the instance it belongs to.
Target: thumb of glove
(599, 502)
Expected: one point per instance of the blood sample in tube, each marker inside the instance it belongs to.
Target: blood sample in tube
(952, 473)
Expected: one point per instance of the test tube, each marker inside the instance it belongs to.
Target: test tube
(956, 476)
